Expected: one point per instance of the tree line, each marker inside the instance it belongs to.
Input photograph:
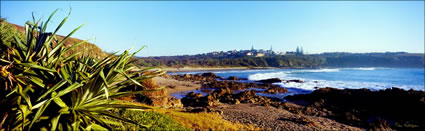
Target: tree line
(290, 61)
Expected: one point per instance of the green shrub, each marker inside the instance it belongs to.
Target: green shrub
(44, 89)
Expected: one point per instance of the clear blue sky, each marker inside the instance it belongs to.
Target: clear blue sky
(179, 28)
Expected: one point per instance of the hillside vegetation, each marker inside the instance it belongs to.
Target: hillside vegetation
(245, 61)
(9, 29)
(289, 61)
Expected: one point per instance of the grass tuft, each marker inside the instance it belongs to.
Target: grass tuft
(205, 121)
(155, 120)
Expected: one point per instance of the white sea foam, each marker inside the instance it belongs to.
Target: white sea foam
(311, 84)
(362, 68)
(317, 70)
(262, 76)
(285, 74)
(239, 71)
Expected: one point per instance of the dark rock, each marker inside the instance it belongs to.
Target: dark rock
(194, 100)
(221, 92)
(206, 77)
(226, 84)
(209, 74)
(275, 90)
(296, 81)
(233, 85)
(207, 90)
(271, 80)
(232, 78)
(188, 76)
(195, 109)
(224, 96)
(379, 124)
(198, 109)
(174, 103)
(209, 80)
(402, 110)
(194, 95)
(243, 79)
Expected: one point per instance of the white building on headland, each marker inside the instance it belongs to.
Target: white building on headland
(258, 52)
(252, 52)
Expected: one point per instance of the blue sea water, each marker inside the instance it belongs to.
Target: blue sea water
(374, 78)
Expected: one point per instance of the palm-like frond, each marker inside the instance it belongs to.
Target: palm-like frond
(47, 89)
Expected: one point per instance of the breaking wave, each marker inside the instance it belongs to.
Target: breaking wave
(363, 68)
(311, 84)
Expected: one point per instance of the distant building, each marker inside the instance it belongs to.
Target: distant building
(290, 53)
(259, 55)
(251, 52)
(279, 53)
(231, 52)
(213, 53)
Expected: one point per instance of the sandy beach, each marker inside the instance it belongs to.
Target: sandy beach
(271, 118)
(174, 86)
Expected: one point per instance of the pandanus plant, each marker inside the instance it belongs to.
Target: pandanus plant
(42, 88)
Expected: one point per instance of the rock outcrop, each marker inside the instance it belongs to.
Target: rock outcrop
(271, 80)
(209, 74)
(224, 96)
(154, 98)
(380, 110)
(205, 77)
(275, 90)
(296, 81)
(233, 85)
(234, 78)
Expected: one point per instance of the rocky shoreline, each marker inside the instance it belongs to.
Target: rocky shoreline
(323, 109)
(187, 69)
(384, 109)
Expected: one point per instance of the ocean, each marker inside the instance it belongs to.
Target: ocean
(374, 78)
